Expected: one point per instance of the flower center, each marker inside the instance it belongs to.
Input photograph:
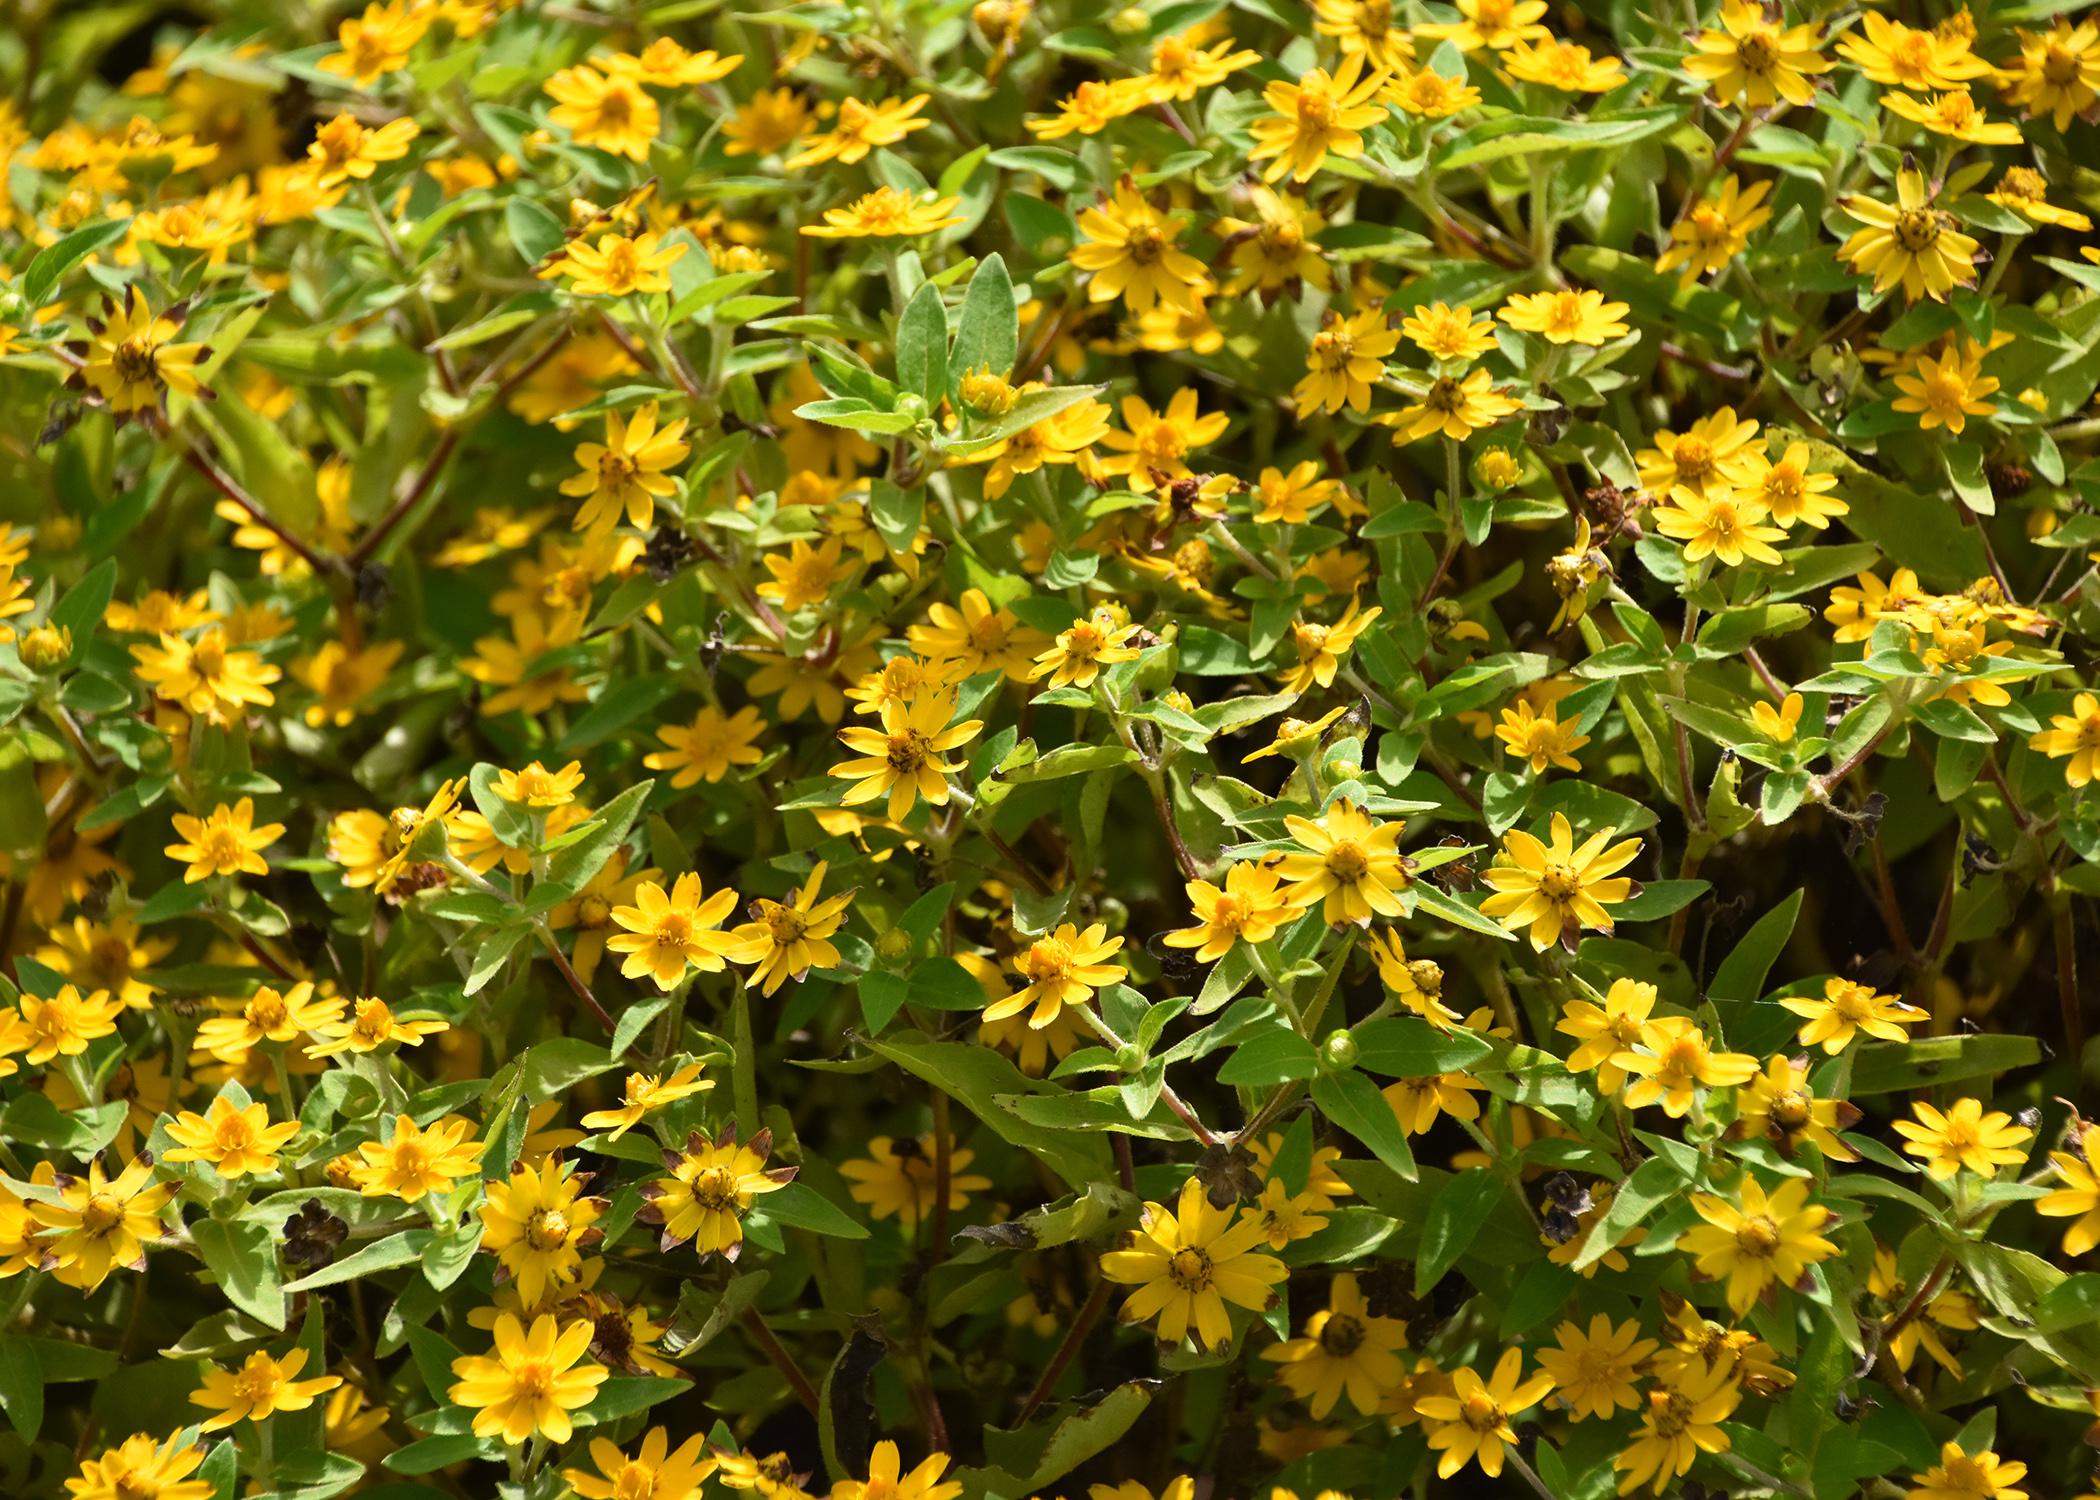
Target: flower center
(1342, 1335)
(673, 930)
(1791, 1110)
(547, 1230)
(1190, 1269)
(267, 1012)
(1144, 244)
(715, 1190)
(1757, 52)
(908, 751)
(1917, 229)
(1347, 862)
(102, 1213)
(1757, 1237)
(1482, 1412)
(2060, 66)
(133, 360)
(532, 1380)
(1558, 882)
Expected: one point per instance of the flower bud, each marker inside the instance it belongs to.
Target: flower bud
(1339, 1049)
(46, 648)
(986, 393)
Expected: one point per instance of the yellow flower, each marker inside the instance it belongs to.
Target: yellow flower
(887, 1480)
(1682, 1065)
(1286, 1217)
(1429, 95)
(1777, 724)
(413, 1162)
(2075, 734)
(1274, 252)
(1682, 1420)
(97, 1224)
(530, 1381)
(1593, 1369)
(1890, 52)
(806, 575)
(1061, 969)
(1963, 1136)
(1345, 1348)
(709, 1190)
(1417, 983)
(859, 128)
(343, 149)
(234, 1140)
(1064, 437)
(2057, 72)
(1846, 1010)
(1779, 1106)
(1351, 865)
(538, 1224)
(267, 1016)
(899, 1178)
(1448, 334)
(1079, 653)
(140, 1467)
(970, 636)
(1788, 489)
(2025, 191)
(64, 1024)
(709, 747)
(1714, 231)
(657, 1471)
(668, 933)
(1188, 1262)
(376, 43)
(1720, 524)
(1757, 1239)
(1417, 1103)
(224, 842)
(1956, 115)
(903, 759)
(536, 786)
(1947, 391)
(1091, 108)
(1755, 62)
(886, 213)
(616, 266)
(769, 121)
(1609, 1036)
(1567, 317)
(626, 471)
(205, 676)
(342, 677)
(1366, 27)
(130, 360)
(1181, 68)
(1563, 66)
(786, 939)
(1295, 497)
(107, 955)
(1128, 251)
(1541, 739)
(1155, 446)
(1909, 243)
(2078, 1197)
(1499, 24)
(1322, 113)
(1323, 648)
(643, 1093)
(1711, 456)
(1472, 1424)
(1557, 889)
(259, 1389)
(371, 1025)
(1345, 362)
(1248, 908)
(610, 111)
(1960, 1475)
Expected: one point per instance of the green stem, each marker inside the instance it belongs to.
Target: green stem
(744, 1084)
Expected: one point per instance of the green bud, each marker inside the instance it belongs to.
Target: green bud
(1339, 1050)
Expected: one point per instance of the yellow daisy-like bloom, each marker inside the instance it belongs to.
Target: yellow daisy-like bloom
(1557, 889)
(1964, 1136)
(370, 1025)
(1351, 866)
(1890, 52)
(1128, 251)
(1956, 115)
(1593, 1368)
(1682, 1064)
(860, 127)
(709, 747)
(1453, 408)
(970, 636)
(1448, 334)
(1417, 983)
(2057, 72)
(616, 266)
(670, 932)
(1777, 724)
(1323, 648)
(344, 150)
(143, 1467)
(898, 1178)
(258, 1390)
(664, 64)
(2026, 192)
(644, 1093)
(1248, 908)
(206, 676)
(1064, 437)
(1345, 362)
(626, 471)
(97, 1224)
(1728, 526)
(342, 678)
(1429, 95)
(786, 939)
(377, 42)
(1848, 1009)
(1091, 108)
(1710, 456)
(1609, 1036)
(1368, 27)
(1188, 1262)
(2077, 1196)
(537, 1224)
(2076, 735)
(233, 1140)
(1286, 1217)
(130, 359)
(1682, 1420)
(224, 842)
(1563, 66)
(108, 955)
(806, 575)
(266, 1016)
(414, 1162)
(709, 1190)
(1947, 391)
(1321, 114)
(1079, 653)
(1758, 1239)
(656, 1472)
(64, 1024)
(1181, 68)
(1472, 1424)
(1715, 230)
(1779, 1106)
(1789, 490)
(886, 213)
(1961, 1475)
(536, 786)
(1155, 445)
(1499, 24)
(1908, 243)
(1275, 251)
(610, 111)
(1754, 61)
(530, 1381)
(1542, 740)
(902, 760)
(1345, 1349)
(887, 1479)
(1062, 969)
(1567, 316)
(1292, 498)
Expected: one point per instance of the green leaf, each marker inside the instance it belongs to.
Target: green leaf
(53, 261)
(1277, 1055)
(1742, 973)
(988, 332)
(975, 1077)
(1456, 1215)
(1091, 1429)
(1652, 1183)
(803, 1207)
(22, 1386)
(244, 1258)
(405, 1248)
(922, 345)
(1404, 1047)
(1893, 1067)
(533, 229)
(573, 865)
(1353, 1103)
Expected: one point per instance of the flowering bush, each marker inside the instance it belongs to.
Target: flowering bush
(1210, 750)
